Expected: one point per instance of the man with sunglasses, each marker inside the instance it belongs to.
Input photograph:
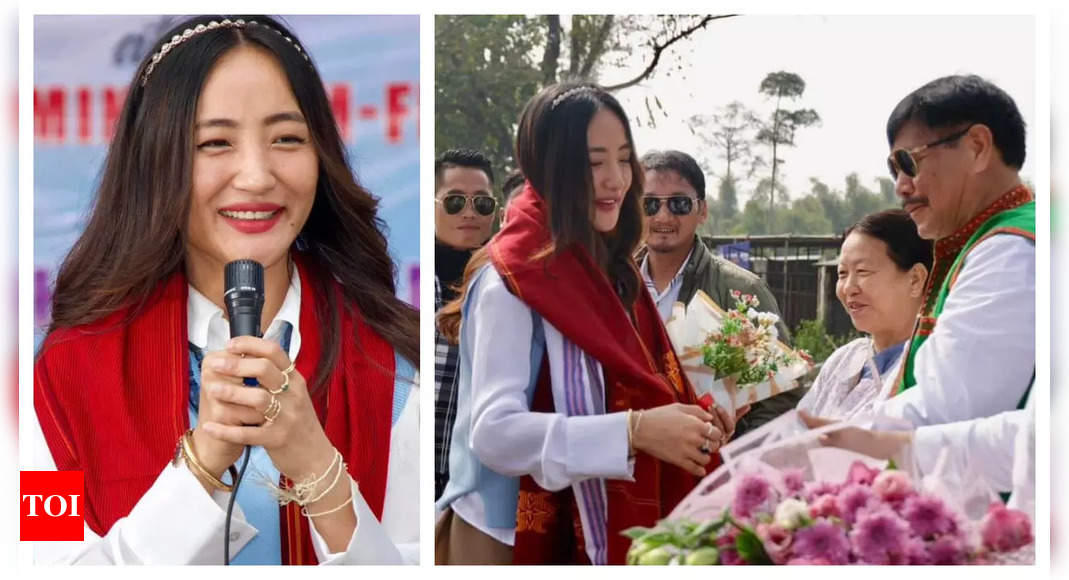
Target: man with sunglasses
(463, 217)
(675, 263)
(957, 144)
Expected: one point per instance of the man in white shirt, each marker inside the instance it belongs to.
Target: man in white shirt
(957, 145)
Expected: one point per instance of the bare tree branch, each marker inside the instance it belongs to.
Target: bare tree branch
(598, 46)
(659, 48)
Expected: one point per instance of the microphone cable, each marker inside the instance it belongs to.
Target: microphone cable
(230, 505)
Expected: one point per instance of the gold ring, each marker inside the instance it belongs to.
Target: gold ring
(709, 433)
(285, 386)
(705, 448)
(273, 409)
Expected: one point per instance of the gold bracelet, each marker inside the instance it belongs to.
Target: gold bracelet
(191, 460)
(634, 430)
(333, 484)
(630, 435)
(330, 511)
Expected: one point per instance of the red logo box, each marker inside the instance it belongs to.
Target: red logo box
(51, 506)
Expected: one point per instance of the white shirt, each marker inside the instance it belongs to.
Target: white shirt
(178, 498)
(664, 300)
(553, 448)
(981, 356)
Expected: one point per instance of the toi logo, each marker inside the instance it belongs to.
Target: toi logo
(51, 505)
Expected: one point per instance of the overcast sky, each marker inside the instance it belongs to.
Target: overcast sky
(856, 69)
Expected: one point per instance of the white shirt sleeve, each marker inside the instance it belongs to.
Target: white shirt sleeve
(394, 540)
(175, 522)
(556, 450)
(981, 356)
(985, 446)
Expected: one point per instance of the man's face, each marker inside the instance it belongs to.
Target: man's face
(934, 197)
(667, 231)
(467, 228)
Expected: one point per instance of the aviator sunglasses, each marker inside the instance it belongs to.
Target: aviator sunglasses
(904, 160)
(454, 203)
(677, 204)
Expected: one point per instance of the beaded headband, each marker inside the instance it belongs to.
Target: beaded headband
(198, 29)
(569, 93)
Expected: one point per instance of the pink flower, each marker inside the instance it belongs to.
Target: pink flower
(731, 557)
(917, 552)
(880, 537)
(777, 541)
(793, 480)
(1004, 529)
(892, 486)
(815, 489)
(807, 562)
(927, 516)
(861, 473)
(824, 506)
(752, 492)
(852, 498)
(947, 550)
(822, 541)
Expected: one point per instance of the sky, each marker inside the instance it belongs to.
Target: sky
(856, 69)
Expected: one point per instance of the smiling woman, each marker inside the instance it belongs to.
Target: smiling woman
(227, 149)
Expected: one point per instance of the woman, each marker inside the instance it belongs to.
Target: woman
(883, 266)
(226, 148)
(573, 421)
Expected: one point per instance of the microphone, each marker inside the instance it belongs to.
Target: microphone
(244, 299)
(243, 281)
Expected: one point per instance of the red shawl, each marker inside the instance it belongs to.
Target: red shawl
(640, 368)
(112, 400)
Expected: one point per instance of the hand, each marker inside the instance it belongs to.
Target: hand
(214, 454)
(676, 433)
(812, 422)
(878, 444)
(295, 440)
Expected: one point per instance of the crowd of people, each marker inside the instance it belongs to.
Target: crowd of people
(561, 416)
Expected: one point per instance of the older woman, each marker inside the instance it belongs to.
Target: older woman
(883, 266)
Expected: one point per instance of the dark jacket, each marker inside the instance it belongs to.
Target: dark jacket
(717, 277)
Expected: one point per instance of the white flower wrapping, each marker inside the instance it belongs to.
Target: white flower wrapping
(688, 328)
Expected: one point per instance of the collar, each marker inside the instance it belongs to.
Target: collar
(644, 268)
(952, 244)
(209, 330)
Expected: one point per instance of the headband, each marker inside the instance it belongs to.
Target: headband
(198, 29)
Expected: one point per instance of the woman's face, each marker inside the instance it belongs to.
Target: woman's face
(610, 165)
(878, 296)
(254, 166)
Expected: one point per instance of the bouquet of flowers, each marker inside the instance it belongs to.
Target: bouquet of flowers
(874, 516)
(733, 357)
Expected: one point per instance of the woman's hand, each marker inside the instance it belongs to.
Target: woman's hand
(294, 440)
(878, 444)
(677, 433)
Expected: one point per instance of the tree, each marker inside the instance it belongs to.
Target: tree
(484, 72)
(729, 132)
(488, 66)
(780, 128)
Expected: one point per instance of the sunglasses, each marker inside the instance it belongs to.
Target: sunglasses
(905, 160)
(677, 204)
(454, 203)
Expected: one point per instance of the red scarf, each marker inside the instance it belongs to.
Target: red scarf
(112, 400)
(640, 368)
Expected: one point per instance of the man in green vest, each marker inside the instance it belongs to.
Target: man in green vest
(675, 264)
(957, 145)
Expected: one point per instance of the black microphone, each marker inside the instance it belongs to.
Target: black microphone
(244, 300)
(244, 296)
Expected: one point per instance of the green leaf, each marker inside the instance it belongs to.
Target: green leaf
(750, 548)
(891, 464)
(636, 532)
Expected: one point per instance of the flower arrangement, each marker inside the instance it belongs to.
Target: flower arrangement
(733, 356)
(744, 347)
(873, 517)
